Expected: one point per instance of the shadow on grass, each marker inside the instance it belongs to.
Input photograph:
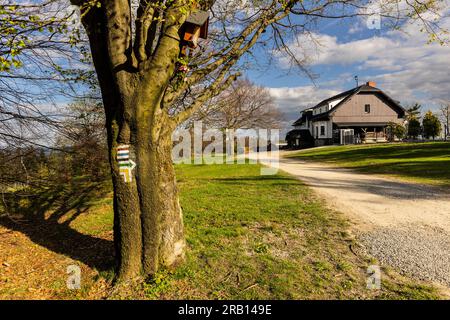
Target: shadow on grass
(438, 171)
(381, 152)
(45, 216)
(423, 161)
(271, 180)
(388, 189)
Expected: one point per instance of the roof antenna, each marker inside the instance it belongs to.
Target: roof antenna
(357, 81)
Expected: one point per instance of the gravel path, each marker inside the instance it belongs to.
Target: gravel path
(416, 250)
(404, 225)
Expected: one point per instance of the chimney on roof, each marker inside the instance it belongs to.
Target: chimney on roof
(371, 84)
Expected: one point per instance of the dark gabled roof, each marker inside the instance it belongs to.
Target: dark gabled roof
(299, 133)
(340, 95)
(198, 17)
(347, 95)
(321, 117)
(305, 113)
(367, 89)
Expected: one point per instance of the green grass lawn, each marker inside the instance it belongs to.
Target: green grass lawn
(248, 236)
(256, 237)
(419, 162)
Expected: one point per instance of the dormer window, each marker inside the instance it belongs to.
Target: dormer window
(367, 108)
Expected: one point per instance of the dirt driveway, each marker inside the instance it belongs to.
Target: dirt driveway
(404, 225)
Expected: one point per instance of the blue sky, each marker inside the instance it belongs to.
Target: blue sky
(400, 62)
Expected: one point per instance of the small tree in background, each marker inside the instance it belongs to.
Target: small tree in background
(395, 130)
(399, 131)
(431, 125)
(83, 133)
(413, 111)
(414, 128)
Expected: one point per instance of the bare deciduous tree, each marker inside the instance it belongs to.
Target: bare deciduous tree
(242, 106)
(41, 61)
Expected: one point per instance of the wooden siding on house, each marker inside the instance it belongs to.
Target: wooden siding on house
(353, 111)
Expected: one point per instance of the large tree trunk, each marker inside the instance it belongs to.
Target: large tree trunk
(148, 223)
(148, 226)
(162, 221)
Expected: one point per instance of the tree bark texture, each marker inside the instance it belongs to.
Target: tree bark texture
(148, 224)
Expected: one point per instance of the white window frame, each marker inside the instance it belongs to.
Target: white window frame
(324, 126)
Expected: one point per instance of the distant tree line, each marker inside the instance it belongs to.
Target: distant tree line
(430, 127)
(78, 155)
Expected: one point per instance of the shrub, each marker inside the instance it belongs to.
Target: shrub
(395, 130)
(414, 128)
(431, 125)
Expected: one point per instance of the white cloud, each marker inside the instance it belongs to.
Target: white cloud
(402, 62)
(323, 49)
(297, 98)
(291, 100)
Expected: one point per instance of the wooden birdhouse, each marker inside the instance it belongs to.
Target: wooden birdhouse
(195, 28)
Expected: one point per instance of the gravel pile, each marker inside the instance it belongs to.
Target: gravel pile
(420, 251)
